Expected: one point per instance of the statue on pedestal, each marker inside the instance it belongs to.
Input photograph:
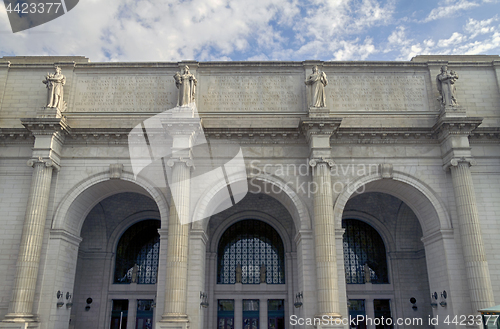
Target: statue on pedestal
(317, 82)
(55, 82)
(446, 86)
(186, 83)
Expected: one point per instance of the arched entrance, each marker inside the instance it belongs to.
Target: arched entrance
(252, 263)
(384, 261)
(117, 268)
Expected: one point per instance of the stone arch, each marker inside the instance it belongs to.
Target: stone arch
(422, 200)
(272, 186)
(80, 200)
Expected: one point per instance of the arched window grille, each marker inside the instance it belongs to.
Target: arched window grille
(364, 250)
(137, 254)
(250, 245)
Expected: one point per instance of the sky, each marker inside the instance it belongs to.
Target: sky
(261, 30)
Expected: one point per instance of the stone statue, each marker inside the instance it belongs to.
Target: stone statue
(135, 272)
(186, 83)
(317, 82)
(367, 273)
(238, 273)
(55, 82)
(263, 273)
(446, 86)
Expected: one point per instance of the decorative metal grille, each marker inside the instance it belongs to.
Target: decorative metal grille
(251, 244)
(363, 245)
(137, 254)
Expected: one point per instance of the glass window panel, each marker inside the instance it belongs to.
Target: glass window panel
(257, 244)
(250, 305)
(226, 305)
(137, 254)
(364, 249)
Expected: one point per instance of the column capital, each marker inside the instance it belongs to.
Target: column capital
(47, 162)
(315, 161)
(455, 162)
(188, 161)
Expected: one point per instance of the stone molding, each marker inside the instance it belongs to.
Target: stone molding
(455, 126)
(324, 126)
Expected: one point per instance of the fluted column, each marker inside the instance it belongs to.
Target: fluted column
(178, 242)
(324, 234)
(476, 265)
(21, 305)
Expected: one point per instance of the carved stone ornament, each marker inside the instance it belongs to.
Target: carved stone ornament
(446, 86)
(186, 83)
(386, 170)
(187, 161)
(46, 162)
(316, 83)
(315, 161)
(55, 92)
(115, 170)
(455, 161)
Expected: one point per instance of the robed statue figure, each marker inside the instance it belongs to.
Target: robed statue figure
(317, 82)
(446, 86)
(186, 83)
(55, 82)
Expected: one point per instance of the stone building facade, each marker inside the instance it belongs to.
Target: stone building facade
(296, 191)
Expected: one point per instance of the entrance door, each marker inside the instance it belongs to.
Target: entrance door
(276, 313)
(144, 317)
(250, 314)
(357, 307)
(119, 314)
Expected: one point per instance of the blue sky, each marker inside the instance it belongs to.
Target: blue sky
(210, 30)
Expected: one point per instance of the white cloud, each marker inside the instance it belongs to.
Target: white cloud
(474, 27)
(353, 50)
(449, 9)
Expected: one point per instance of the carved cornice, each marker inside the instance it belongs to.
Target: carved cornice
(456, 126)
(382, 135)
(46, 126)
(485, 135)
(319, 127)
(13, 136)
(117, 136)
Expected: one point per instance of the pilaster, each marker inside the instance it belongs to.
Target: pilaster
(453, 134)
(49, 137)
(318, 130)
